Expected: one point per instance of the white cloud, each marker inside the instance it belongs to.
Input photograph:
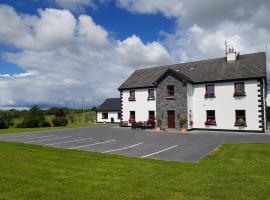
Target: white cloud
(67, 58)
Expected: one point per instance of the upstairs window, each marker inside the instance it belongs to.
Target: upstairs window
(240, 118)
(209, 91)
(151, 94)
(131, 95)
(210, 117)
(104, 115)
(239, 89)
(170, 90)
(132, 117)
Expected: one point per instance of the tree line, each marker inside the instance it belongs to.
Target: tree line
(36, 117)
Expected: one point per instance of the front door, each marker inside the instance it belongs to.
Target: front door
(171, 119)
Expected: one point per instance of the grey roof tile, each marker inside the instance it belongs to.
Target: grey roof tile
(111, 104)
(247, 66)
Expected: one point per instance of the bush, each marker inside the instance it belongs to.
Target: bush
(60, 121)
(5, 120)
(71, 118)
(182, 121)
(34, 118)
(46, 124)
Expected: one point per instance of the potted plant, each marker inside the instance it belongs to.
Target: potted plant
(183, 123)
(159, 124)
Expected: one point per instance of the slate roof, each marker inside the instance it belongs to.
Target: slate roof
(212, 70)
(111, 104)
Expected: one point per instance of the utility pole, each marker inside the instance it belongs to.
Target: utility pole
(83, 109)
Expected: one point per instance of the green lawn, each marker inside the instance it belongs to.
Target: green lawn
(20, 130)
(235, 171)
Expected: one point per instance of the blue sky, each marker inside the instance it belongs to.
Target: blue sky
(57, 52)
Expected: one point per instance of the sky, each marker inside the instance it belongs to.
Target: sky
(57, 52)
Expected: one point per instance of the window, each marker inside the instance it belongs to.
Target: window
(239, 90)
(240, 118)
(151, 94)
(131, 95)
(104, 115)
(170, 90)
(132, 116)
(119, 116)
(151, 115)
(209, 91)
(210, 117)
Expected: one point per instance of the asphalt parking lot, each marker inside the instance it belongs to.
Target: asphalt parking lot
(170, 146)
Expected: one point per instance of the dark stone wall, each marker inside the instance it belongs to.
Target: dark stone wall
(178, 104)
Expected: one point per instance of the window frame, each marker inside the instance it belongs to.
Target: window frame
(132, 119)
(149, 96)
(239, 93)
(152, 115)
(119, 115)
(209, 94)
(104, 113)
(238, 117)
(132, 95)
(209, 121)
(168, 91)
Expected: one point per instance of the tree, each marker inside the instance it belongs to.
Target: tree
(34, 118)
(60, 118)
(5, 120)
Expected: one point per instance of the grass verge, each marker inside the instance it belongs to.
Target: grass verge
(21, 130)
(235, 171)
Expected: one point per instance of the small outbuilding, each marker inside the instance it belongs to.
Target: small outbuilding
(109, 111)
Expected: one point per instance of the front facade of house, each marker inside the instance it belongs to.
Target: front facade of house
(109, 111)
(218, 94)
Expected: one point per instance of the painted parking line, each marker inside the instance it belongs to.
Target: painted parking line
(33, 138)
(92, 144)
(43, 140)
(69, 141)
(124, 148)
(148, 155)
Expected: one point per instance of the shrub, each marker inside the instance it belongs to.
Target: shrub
(159, 122)
(71, 118)
(182, 121)
(5, 120)
(60, 121)
(34, 118)
(46, 124)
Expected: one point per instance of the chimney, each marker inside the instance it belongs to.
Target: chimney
(231, 55)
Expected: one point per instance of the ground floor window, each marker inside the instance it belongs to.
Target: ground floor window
(119, 116)
(132, 116)
(240, 118)
(210, 117)
(104, 115)
(151, 115)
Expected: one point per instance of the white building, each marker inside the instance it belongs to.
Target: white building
(226, 93)
(109, 111)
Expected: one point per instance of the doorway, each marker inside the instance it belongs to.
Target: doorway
(171, 119)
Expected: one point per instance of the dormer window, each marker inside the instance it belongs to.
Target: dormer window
(131, 95)
(170, 91)
(209, 91)
(239, 89)
(151, 94)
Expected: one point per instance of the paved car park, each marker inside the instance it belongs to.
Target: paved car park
(171, 146)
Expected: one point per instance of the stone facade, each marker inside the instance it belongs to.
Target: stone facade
(178, 104)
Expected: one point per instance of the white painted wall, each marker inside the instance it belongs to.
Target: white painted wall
(110, 115)
(190, 104)
(141, 106)
(225, 105)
